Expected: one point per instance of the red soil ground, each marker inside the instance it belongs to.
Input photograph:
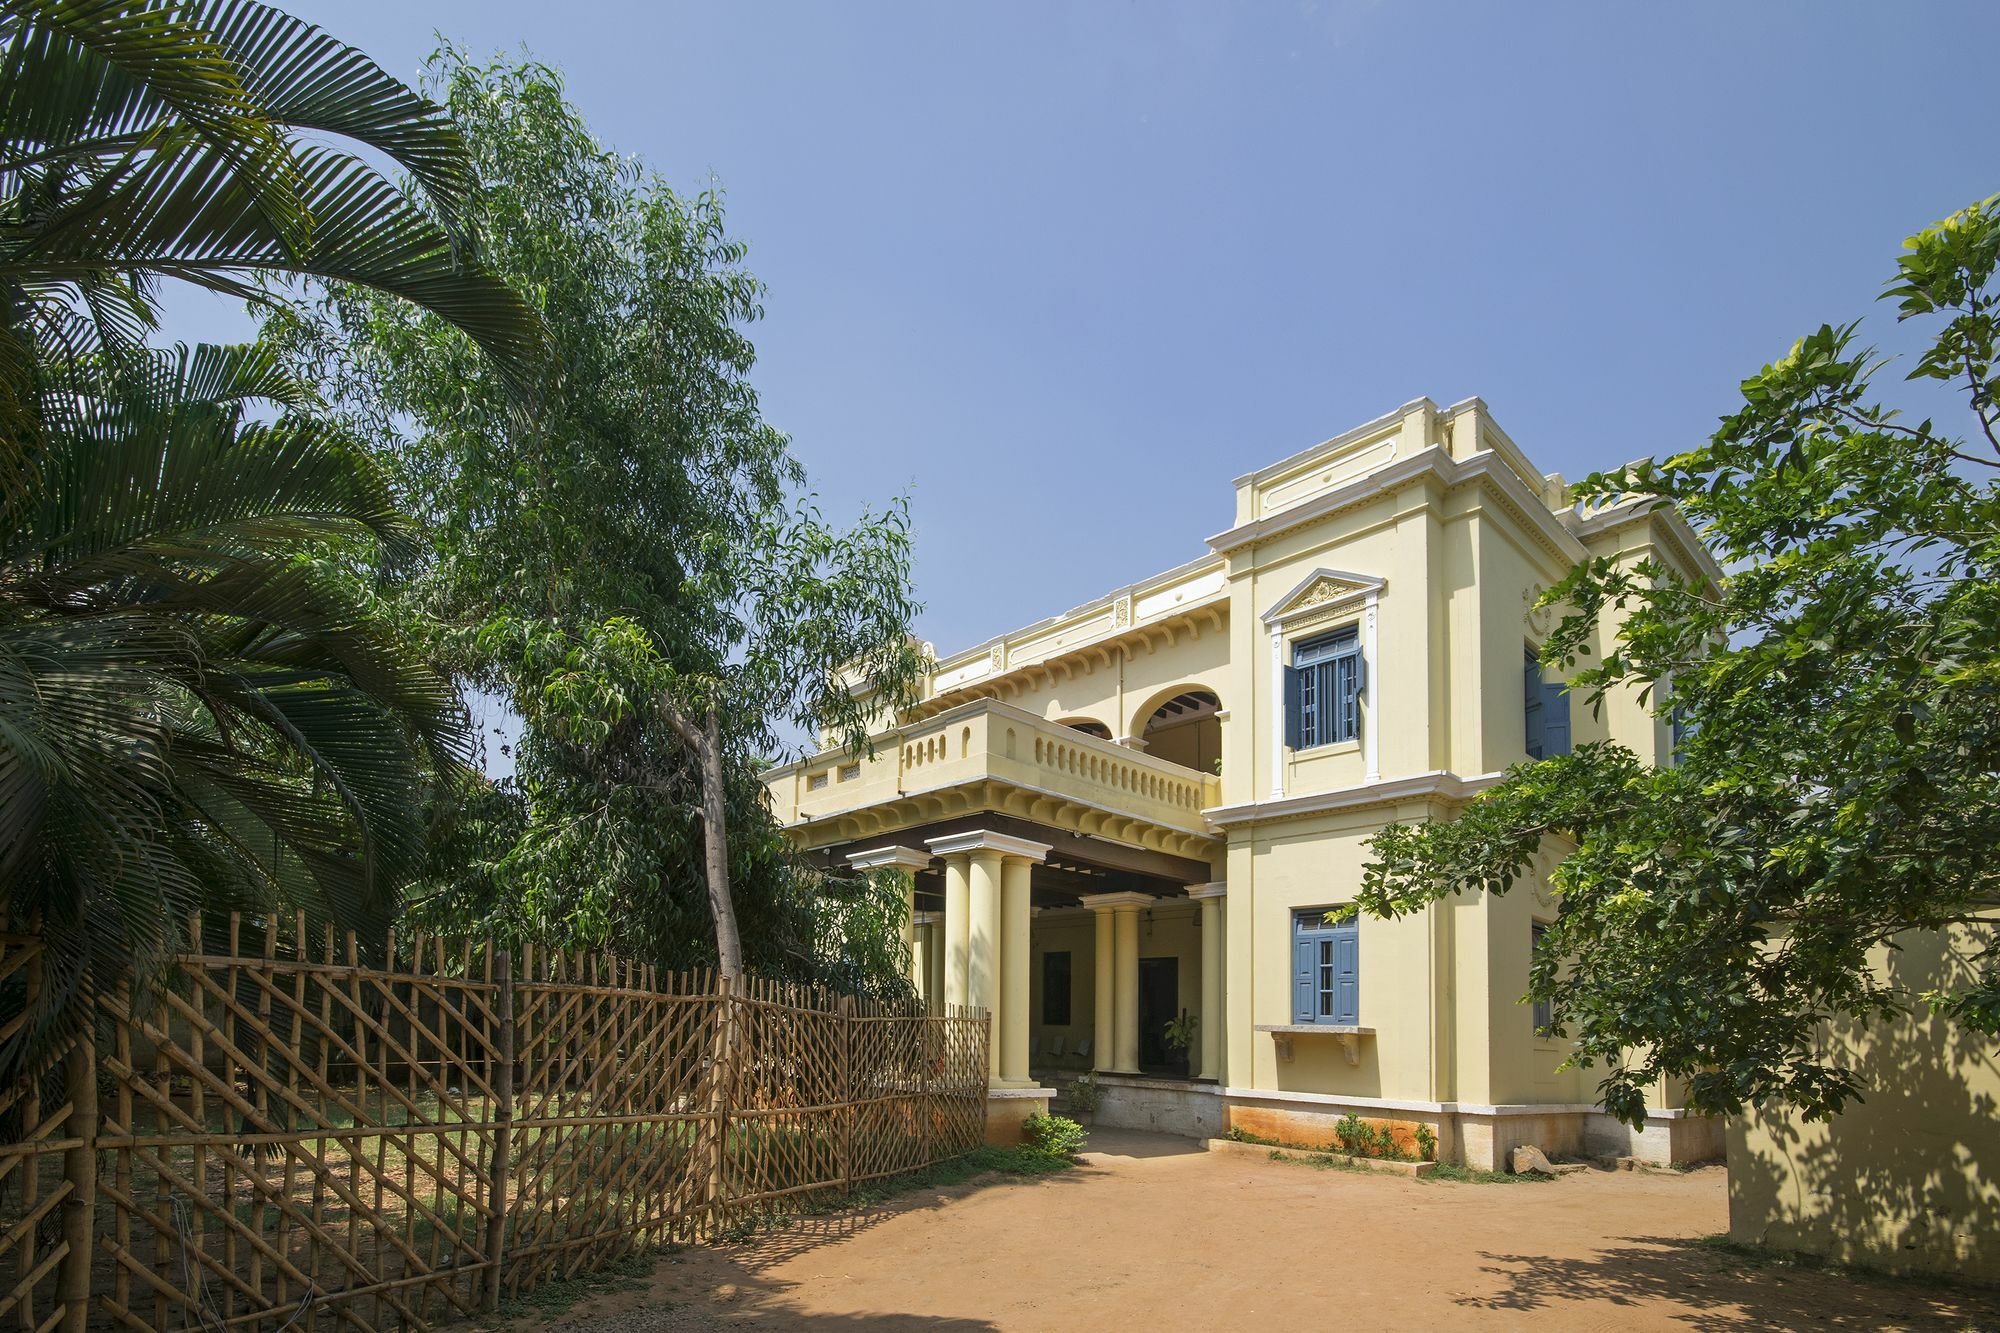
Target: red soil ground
(1153, 1233)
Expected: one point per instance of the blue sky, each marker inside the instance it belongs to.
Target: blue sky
(1061, 271)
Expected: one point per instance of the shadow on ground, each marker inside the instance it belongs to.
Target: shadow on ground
(1730, 1291)
(1137, 1143)
(722, 1286)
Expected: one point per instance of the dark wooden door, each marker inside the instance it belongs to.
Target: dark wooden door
(1159, 1001)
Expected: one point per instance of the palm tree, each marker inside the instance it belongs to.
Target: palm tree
(198, 703)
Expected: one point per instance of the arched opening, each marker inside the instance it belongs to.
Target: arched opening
(1089, 726)
(1185, 730)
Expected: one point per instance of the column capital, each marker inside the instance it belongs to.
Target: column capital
(1105, 902)
(1216, 889)
(985, 840)
(885, 858)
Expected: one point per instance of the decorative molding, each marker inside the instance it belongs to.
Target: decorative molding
(1106, 902)
(1436, 784)
(1323, 589)
(1539, 618)
(1348, 1035)
(887, 858)
(1434, 462)
(985, 840)
(1306, 458)
(1214, 889)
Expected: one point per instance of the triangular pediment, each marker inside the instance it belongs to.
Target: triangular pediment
(1322, 588)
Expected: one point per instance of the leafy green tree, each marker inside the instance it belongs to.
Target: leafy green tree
(632, 570)
(1838, 784)
(198, 702)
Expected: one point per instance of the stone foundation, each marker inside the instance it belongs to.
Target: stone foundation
(1482, 1137)
(1007, 1108)
(1162, 1105)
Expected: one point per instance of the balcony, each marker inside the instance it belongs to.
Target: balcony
(987, 755)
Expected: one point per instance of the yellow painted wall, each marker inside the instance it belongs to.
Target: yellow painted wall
(1907, 1180)
(1076, 932)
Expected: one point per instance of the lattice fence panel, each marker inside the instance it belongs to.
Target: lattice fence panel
(37, 1118)
(290, 1135)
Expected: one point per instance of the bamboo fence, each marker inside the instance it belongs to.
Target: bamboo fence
(284, 1137)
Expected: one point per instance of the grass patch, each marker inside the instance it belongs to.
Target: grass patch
(1467, 1175)
(1320, 1161)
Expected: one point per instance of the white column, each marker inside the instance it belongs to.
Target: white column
(985, 855)
(1125, 1023)
(1121, 972)
(1016, 915)
(926, 961)
(905, 861)
(1103, 990)
(934, 962)
(957, 989)
(1210, 897)
(982, 958)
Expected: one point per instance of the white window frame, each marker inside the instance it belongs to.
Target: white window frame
(1298, 617)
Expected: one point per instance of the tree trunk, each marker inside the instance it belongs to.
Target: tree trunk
(715, 833)
(705, 742)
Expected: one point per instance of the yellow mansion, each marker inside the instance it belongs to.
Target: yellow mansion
(1142, 810)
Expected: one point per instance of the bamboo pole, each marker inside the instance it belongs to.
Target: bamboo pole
(80, 1169)
(847, 1111)
(503, 1133)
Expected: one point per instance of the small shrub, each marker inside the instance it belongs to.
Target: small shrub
(1427, 1143)
(1056, 1135)
(1084, 1094)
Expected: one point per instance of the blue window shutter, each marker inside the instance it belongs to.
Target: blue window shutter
(1555, 720)
(1350, 695)
(1347, 975)
(1303, 950)
(1545, 1017)
(1294, 706)
(1531, 706)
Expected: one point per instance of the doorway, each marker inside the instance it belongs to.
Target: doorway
(1159, 1002)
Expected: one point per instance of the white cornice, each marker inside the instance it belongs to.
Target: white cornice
(1649, 509)
(1198, 565)
(1304, 458)
(884, 858)
(1434, 461)
(1215, 889)
(985, 840)
(1105, 902)
(1436, 785)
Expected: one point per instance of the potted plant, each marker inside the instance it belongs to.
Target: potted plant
(1180, 1036)
(1083, 1097)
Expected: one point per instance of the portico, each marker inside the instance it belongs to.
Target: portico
(992, 915)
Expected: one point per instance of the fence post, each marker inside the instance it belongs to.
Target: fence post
(847, 1107)
(722, 1072)
(80, 1170)
(503, 1134)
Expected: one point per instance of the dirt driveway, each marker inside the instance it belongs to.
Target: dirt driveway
(1153, 1233)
